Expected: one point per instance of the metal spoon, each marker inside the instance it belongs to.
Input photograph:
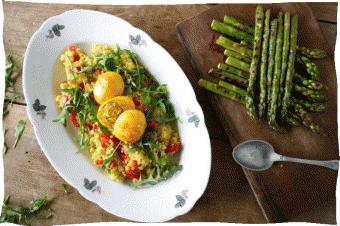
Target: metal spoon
(259, 155)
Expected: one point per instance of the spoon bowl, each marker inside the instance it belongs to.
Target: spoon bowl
(259, 155)
(254, 155)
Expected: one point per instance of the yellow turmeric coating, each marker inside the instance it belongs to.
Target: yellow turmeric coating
(108, 85)
(109, 111)
(130, 126)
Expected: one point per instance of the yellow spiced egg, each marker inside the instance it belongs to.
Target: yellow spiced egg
(124, 102)
(108, 85)
(130, 126)
(109, 111)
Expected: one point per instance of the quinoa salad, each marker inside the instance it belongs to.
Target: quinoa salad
(122, 114)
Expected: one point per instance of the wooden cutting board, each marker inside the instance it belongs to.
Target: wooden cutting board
(287, 189)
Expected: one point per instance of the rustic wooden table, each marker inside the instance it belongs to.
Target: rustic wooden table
(28, 174)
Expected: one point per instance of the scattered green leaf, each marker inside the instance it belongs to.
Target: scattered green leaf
(5, 149)
(19, 215)
(63, 187)
(19, 130)
(10, 94)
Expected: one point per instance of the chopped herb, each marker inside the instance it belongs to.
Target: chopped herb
(61, 118)
(5, 149)
(165, 119)
(19, 215)
(82, 105)
(162, 105)
(107, 161)
(156, 177)
(146, 98)
(19, 130)
(63, 187)
(10, 94)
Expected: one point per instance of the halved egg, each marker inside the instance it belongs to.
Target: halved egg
(109, 111)
(130, 126)
(108, 85)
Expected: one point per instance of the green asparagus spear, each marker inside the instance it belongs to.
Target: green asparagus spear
(232, 87)
(231, 31)
(235, 23)
(232, 61)
(233, 70)
(271, 61)
(308, 88)
(311, 53)
(292, 119)
(291, 69)
(303, 51)
(245, 44)
(310, 106)
(254, 66)
(212, 87)
(242, 78)
(229, 44)
(310, 66)
(228, 76)
(306, 119)
(312, 95)
(308, 83)
(236, 55)
(277, 72)
(263, 65)
(285, 52)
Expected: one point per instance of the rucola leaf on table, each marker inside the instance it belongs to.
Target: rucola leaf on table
(19, 130)
(20, 215)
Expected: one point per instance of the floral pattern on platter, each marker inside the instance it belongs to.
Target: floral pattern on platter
(55, 31)
(181, 199)
(92, 185)
(137, 41)
(193, 118)
(39, 108)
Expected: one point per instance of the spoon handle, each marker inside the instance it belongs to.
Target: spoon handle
(331, 164)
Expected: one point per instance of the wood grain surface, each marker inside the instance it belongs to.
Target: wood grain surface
(287, 190)
(28, 174)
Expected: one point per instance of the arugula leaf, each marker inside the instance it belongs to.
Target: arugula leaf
(61, 118)
(37, 204)
(76, 96)
(63, 187)
(10, 94)
(162, 89)
(50, 213)
(87, 69)
(156, 176)
(161, 104)
(157, 153)
(7, 218)
(145, 98)
(108, 161)
(165, 119)
(10, 66)
(107, 62)
(5, 149)
(26, 215)
(19, 130)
